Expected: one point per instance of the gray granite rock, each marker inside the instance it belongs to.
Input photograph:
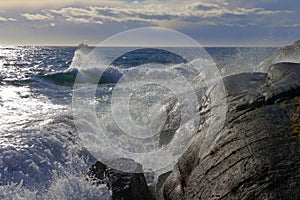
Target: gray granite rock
(258, 153)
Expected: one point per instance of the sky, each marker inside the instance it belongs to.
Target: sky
(210, 22)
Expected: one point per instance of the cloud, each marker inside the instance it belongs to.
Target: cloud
(203, 6)
(157, 13)
(4, 19)
(39, 4)
(37, 17)
(162, 13)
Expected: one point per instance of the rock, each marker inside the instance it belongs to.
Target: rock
(124, 186)
(161, 179)
(172, 122)
(258, 153)
(286, 54)
(283, 81)
(98, 170)
(256, 158)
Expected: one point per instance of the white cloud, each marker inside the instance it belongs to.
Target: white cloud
(78, 20)
(41, 4)
(37, 17)
(215, 12)
(4, 19)
(274, 12)
(12, 19)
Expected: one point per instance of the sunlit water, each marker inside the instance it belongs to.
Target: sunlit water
(40, 154)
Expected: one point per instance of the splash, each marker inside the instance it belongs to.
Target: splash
(152, 113)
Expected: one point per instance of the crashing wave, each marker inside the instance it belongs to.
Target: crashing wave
(68, 76)
(88, 72)
(286, 54)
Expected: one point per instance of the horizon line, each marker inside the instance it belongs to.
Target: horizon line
(149, 46)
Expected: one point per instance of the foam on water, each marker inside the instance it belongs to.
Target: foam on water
(41, 156)
(68, 186)
(19, 106)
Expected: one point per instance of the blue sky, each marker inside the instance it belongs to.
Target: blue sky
(210, 22)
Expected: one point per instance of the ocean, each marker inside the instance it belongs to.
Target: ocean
(42, 152)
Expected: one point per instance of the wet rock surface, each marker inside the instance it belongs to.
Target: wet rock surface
(258, 153)
(124, 186)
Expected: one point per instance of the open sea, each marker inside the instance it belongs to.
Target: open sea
(41, 154)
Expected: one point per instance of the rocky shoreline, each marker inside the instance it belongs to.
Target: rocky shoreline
(258, 153)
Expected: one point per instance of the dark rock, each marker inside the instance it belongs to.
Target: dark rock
(161, 179)
(243, 93)
(258, 153)
(283, 81)
(243, 83)
(256, 158)
(124, 186)
(172, 122)
(98, 170)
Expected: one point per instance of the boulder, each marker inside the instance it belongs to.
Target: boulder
(124, 186)
(257, 155)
